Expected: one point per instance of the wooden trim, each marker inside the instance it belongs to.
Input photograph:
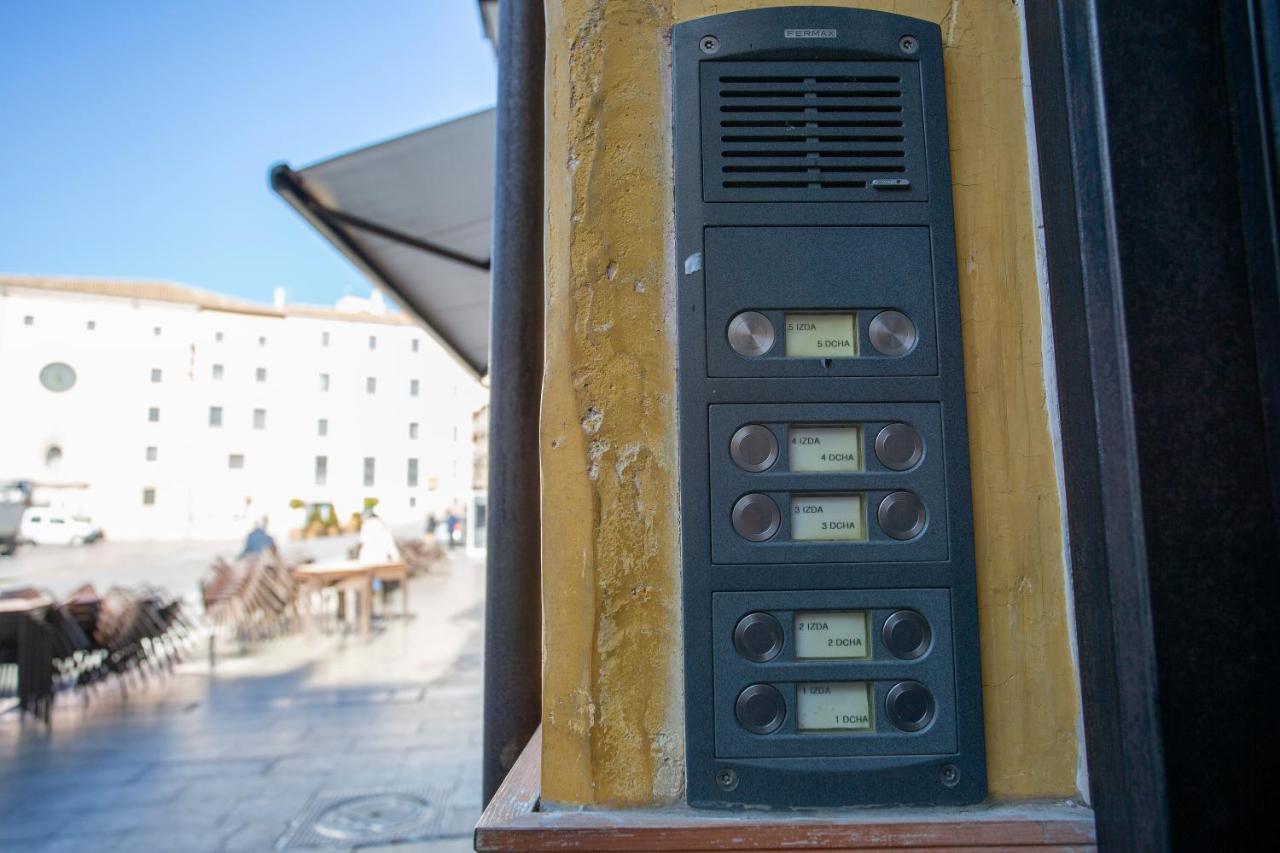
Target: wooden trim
(517, 797)
(1109, 571)
(513, 822)
(1147, 152)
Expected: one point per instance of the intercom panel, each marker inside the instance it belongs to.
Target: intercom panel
(806, 483)
(833, 658)
(830, 616)
(831, 324)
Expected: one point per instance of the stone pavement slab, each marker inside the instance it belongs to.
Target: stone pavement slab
(228, 759)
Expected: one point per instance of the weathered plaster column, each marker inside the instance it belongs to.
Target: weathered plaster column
(612, 713)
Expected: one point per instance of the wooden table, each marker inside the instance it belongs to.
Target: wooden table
(25, 605)
(516, 821)
(352, 576)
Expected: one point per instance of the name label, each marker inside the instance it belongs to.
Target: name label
(832, 634)
(833, 706)
(825, 448)
(817, 518)
(821, 336)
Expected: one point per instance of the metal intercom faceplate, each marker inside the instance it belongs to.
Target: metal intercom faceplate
(831, 639)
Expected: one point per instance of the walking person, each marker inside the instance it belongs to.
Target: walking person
(259, 541)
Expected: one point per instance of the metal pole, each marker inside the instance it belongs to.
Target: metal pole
(513, 609)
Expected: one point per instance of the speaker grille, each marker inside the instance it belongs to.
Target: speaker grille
(812, 131)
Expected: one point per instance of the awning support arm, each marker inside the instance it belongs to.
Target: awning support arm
(288, 183)
(288, 186)
(395, 236)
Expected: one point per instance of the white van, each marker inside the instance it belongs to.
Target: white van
(42, 525)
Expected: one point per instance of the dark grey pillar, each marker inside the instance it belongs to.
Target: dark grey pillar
(513, 610)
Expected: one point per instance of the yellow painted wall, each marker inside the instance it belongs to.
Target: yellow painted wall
(612, 714)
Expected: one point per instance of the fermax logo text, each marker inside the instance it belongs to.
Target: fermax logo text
(800, 33)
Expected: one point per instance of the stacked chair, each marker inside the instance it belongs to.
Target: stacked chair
(82, 641)
(421, 555)
(141, 632)
(254, 598)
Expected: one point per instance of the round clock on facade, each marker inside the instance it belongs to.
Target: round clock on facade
(57, 376)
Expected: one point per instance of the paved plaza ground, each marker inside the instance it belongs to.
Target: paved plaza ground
(293, 744)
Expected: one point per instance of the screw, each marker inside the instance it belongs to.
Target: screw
(709, 44)
(727, 779)
(950, 775)
(909, 44)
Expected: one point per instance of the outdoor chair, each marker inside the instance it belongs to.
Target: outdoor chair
(252, 599)
(421, 556)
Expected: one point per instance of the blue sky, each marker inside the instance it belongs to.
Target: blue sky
(135, 137)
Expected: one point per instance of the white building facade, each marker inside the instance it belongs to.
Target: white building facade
(165, 412)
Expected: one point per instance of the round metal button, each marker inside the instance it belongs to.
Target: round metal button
(751, 334)
(760, 709)
(906, 634)
(892, 333)
(909, 706)
(758, 637)
(901, 515)
(756, 517)
(898, 447)
(754, 448)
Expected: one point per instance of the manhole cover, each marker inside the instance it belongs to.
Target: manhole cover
(357, 819)
(377, 814)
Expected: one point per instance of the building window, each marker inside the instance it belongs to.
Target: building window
(155, 374)
(322, 470)
(262, 340)
(322, 426)
(324, 382)
(217, 336)
(413, 472)
(259, 418)
(415, 344)
(149, 496)
(217, 371)
(373, 342)
(91, 325)
(215, 416)
(371, 385)
(235, 461)
(324, 339)
(153, 415)
(260, 374)
(412, 502)
(28, 320)
(155, 330)
(413, 430)
(368, 470)
(413, 387)
(152, 453)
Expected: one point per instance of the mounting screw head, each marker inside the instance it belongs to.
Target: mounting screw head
(726, 779)
(909, 44)
(709, 44)
(950, 775)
